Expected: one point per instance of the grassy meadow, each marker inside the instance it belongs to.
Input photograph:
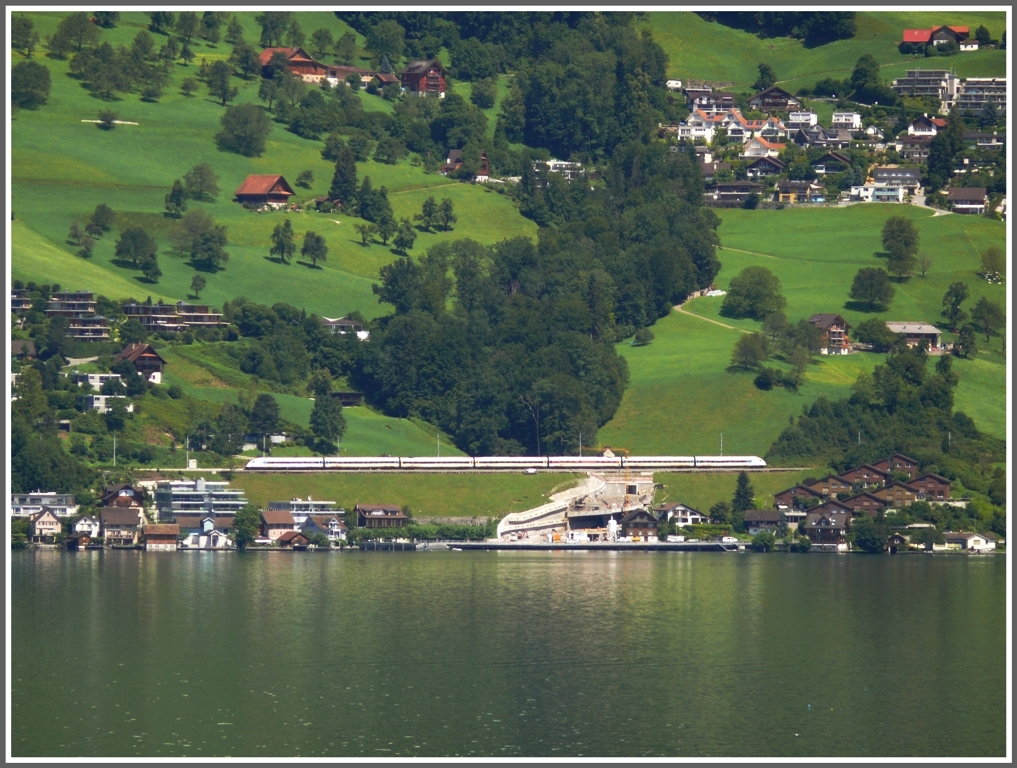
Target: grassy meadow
(703, 491)
(683, 394)
(427, 495)
(62, 168)
(711, 51)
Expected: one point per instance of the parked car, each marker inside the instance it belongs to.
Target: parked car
(672, 539)
(728, 540)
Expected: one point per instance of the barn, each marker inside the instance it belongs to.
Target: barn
(264, 189)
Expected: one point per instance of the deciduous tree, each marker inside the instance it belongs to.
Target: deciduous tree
(30, 85)
(750, 350)
(314, 248)
(446, 213)
(246, 524)
(135, 244)
(198, 283)
(245, 130)
(988, 317)
(220, 82)
(283, 246)
(766, 77)
(176, 200)
(405, 236)
(754, 292)
(872, 286)
(955, 295)
(201, 183)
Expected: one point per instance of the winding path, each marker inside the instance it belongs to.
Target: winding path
(681, 308)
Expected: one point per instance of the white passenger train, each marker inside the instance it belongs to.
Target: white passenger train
(463, 463)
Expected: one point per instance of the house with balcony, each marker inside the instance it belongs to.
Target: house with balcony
(732, 191)
(831, 162)
(760, 147)
(145, 359)
(88, 328)
(835, 333)
(774, 99)
(796, 120)
(789, 191)
(827, 530)
(907, 177)
(941, 84)
(760, 520)
(70, 304)
(850, 121)
(877, 193)
(93, 380)
(44, 526)
(975, 92)
(424, 78)
(898, 463)
(763, 167)
(103, 403)
(28, 504)
(301, 509)
(914, 333)
(380, 516)
(926, 126)
(121, 525)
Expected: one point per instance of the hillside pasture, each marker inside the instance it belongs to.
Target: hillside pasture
(711, 51)
(62, 167)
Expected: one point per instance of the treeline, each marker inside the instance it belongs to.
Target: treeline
(899, 407)
(814, 27)
(584, 83)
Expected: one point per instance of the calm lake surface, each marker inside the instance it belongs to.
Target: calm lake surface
(385, 654)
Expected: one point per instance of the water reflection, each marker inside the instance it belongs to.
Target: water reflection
(491, 654)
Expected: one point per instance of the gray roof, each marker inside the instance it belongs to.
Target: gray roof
(911, 327)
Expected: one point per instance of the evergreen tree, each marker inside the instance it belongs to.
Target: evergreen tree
(744, 497)
(176, 200)
(766, 78)
(344, 180)
(327, 421)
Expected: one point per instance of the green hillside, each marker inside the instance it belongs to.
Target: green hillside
(63, 167)
(682, 395)
(427, 495)
(711, 51)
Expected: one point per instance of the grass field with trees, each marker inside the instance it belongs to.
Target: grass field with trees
(62, 167)
(711, 51)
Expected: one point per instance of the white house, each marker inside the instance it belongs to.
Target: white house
(796, 120)
(207, 538)
(88, 525)
(682, 515)
(760, 147)
(878, 193)
(94, 380)
(28, 504)
(852, 121)
(926, 126)
(974, 542)
(971, 44)
(103, 403)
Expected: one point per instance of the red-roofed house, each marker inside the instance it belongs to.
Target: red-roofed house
(298, 62)
(926, 126)
(264, 189)
(935, 35)
(760, 147)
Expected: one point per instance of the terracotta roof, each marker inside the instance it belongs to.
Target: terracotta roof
(917, 35)
(768, 144)
(161, 529)
(291, 53)
(262, 184)
(277, 517)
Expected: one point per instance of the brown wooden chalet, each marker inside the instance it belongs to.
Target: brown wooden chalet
(144, 358)
(161, 536)
(425, 78)
(639, 522)
(867, 476)
(264, 189)
(898, 463)
(931, 487)
(765, 166)
(759, 520)
(292, 540)
(830, 485)
(120, 525)
(831, 505)
(774, 99)
(24, 349)
(454, 162)
(122, 495)
(298, 61)
(835, 332)
(380, 516)
(831, 162)
(824, 527)
(865, 503)
(897, 495)
(897, 540)
(794, 498)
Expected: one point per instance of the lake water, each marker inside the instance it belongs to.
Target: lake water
(506, 654)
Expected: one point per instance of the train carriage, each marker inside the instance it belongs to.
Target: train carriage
(584, 462)
(436, 462)
(510, 462)
(361, 462)
(729, 462)
(270, 463)
(659, 462)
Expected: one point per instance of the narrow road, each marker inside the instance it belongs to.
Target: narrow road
(680, 308)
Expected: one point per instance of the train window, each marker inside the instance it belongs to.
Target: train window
(630, 489)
